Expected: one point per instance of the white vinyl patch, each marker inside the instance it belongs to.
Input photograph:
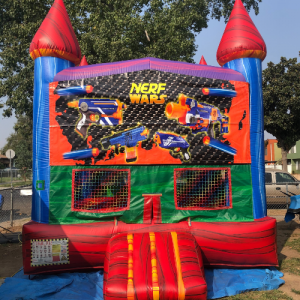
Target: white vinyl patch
(49, 252)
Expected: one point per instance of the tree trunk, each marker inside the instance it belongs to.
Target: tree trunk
(284, 159)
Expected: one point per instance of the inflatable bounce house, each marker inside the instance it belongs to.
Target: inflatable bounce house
(148, 168)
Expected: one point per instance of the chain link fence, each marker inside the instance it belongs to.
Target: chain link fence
(17, 175)
(278, 195)
(16, 207)
(278, 199)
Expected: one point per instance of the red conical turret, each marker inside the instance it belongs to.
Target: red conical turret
(83, 62)
(241, 38)
(202, 61)
(56, 36)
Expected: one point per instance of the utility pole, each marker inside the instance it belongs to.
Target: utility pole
(11, 154)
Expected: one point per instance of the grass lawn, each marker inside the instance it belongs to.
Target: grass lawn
(296, 291)
(266, 295)
(15, 184)
(7, 179)
(295, 244)
(291, 265)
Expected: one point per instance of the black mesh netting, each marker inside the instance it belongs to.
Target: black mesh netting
(151, 116)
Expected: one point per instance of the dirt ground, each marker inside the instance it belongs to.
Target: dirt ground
(11, 257)
(286, 233)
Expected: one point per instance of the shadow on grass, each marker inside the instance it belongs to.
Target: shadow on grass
(284, 232)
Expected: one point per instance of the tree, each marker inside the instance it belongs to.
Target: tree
(23, 160)
(281, 93)
(21, 142)
(107, 30)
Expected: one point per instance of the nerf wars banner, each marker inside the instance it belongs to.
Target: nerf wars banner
(149, 117)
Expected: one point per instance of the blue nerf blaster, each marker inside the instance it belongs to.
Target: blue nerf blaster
(74, 90)
(105, 112)
(81, 154)
(219, 92)
(129, 139)
(173, 142)
(209, 141)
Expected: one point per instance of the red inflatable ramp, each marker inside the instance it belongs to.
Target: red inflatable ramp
(154, 265)
(236, 244)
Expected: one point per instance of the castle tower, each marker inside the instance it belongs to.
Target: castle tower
(202, 61)
(243, 49)
(83, 62)
(53, 48)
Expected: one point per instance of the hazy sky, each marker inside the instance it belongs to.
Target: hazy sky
(278, 23)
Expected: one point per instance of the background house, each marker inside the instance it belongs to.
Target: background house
(273, 157)
(4, 160)
(272, 152)
(294, 158)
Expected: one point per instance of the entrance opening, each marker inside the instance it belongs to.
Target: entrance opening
(152, 209)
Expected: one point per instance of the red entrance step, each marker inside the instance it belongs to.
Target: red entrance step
(154, 265)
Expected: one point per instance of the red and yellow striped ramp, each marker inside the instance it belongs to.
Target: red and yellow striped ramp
(153, 266)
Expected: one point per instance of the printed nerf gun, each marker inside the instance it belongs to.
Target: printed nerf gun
(209, 141)
(219, 92)
(105, 112)
(129, 139)
(81, 154)
(172, 142)
(241, 123)
(74, 90)
(198, 116)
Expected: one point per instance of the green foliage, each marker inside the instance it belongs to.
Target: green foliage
(25, 173)
(2, 166)
(223, 8)
(21, 142)
(107, 30)
(19, 21)
(281, 91)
